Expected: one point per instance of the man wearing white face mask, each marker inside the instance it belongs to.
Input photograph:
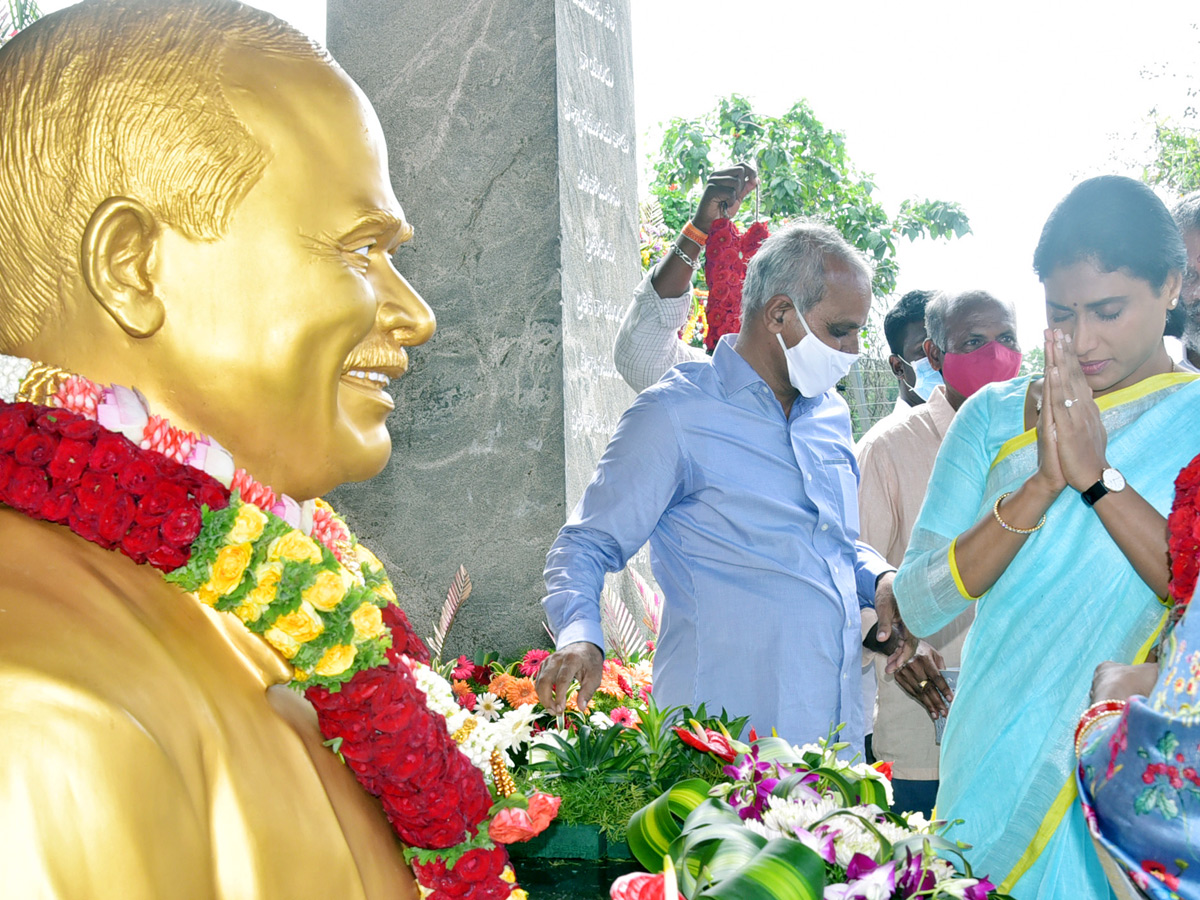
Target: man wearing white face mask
(740, 473)
(896, 465)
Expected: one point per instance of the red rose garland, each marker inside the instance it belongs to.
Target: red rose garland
(62, 467)
(725, 257)
(1183, 544)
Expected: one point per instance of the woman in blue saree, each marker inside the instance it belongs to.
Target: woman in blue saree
(1047, 510)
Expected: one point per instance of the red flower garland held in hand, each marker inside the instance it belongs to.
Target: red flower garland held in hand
(322, 601)
(726, 255)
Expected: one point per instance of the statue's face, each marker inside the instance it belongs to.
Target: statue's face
(290, 324)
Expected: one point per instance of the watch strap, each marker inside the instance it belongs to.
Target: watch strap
(1094, 493)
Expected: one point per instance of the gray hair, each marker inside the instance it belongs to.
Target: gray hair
(792, 262)
(944, 305)
(1186, 213)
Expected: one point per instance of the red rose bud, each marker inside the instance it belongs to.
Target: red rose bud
(137, 476)
(166, 558)
(79, 429)
(115, 518)
(213, 495)
(14, 425)
(27, 488)
(35, 449)
(161, 499)
(70, 461)
(56, 507)
(94, 491)
(112, 451)
(82, 524)
(181, 526)
(141, 542)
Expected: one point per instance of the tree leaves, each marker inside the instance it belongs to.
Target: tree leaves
(804, 170)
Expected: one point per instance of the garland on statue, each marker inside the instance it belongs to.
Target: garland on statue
(96, 460)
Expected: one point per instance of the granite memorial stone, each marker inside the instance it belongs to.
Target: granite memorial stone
(511, 132)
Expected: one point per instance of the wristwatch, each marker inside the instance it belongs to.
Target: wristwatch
(1110, 482)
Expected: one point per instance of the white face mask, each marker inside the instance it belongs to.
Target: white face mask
(813, 366)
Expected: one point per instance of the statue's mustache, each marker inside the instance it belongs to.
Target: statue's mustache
(378, 354)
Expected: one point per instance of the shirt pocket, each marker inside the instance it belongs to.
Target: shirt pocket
(843, 491)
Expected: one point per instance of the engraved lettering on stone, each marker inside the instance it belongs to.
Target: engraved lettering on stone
(596, 68)
(591, 184)
(586, 122)
(606, 15)
(587, 304)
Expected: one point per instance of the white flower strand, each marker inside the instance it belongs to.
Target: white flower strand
(13, 370)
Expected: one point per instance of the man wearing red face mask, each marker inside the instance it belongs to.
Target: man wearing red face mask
(975, 342)
(971, 340)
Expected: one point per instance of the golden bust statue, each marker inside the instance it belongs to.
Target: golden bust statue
(194, 200)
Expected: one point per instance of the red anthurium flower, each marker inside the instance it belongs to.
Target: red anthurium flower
(884, 769)
(708, 741)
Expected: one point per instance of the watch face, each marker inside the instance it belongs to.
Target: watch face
(1113, 480)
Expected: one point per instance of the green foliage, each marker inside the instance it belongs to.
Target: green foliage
(593, 800)
(804, 170)
(1033, 361)
(1176, 163)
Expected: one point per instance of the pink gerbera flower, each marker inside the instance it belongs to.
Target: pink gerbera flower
(623, 715)
(532, 661)
(464, 668)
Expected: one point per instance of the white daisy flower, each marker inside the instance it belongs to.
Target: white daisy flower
(489, 706)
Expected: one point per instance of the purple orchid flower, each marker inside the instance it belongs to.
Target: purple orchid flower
(821, 844)
(869, 881)
(979, 891)
(915, 878)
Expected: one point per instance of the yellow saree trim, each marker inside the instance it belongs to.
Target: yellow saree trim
(958, 582)
(1066, 796)
(1108, 401)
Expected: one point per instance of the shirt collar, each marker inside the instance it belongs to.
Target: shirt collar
(735, 373)
(940, 410)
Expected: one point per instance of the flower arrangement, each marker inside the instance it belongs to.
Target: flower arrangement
(97, 461)
(791, 821)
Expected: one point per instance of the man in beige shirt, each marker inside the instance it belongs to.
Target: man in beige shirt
(895, 466)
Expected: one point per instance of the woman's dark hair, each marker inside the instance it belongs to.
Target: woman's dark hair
(1115, 223)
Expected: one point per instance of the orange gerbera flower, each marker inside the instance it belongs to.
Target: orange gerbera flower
(522, 691)
(610, 679)
(501, 684)
(460, 688)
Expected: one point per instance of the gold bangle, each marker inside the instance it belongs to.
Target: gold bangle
(695, 235)
(1006, 526)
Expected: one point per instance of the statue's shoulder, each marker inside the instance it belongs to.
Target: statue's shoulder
(90, 628)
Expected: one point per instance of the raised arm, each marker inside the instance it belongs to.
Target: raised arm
(648, 342)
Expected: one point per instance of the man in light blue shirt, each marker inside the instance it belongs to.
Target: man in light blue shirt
(740, 473)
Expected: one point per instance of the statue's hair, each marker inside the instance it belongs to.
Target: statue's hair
(120, 98)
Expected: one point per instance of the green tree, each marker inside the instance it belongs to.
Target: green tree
(1176, 163)
(803, 169)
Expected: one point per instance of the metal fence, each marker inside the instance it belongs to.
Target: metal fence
(870, 391)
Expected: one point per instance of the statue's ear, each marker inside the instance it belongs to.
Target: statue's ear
(117, 251)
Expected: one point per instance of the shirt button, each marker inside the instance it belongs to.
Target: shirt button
(824, 527)
(836, 570)
(810, 476)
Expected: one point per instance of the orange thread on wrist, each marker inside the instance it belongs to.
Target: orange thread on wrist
(695, 235)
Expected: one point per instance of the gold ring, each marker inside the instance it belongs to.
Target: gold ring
(923, 685)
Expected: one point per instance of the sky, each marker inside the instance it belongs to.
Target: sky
(1000, 107)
